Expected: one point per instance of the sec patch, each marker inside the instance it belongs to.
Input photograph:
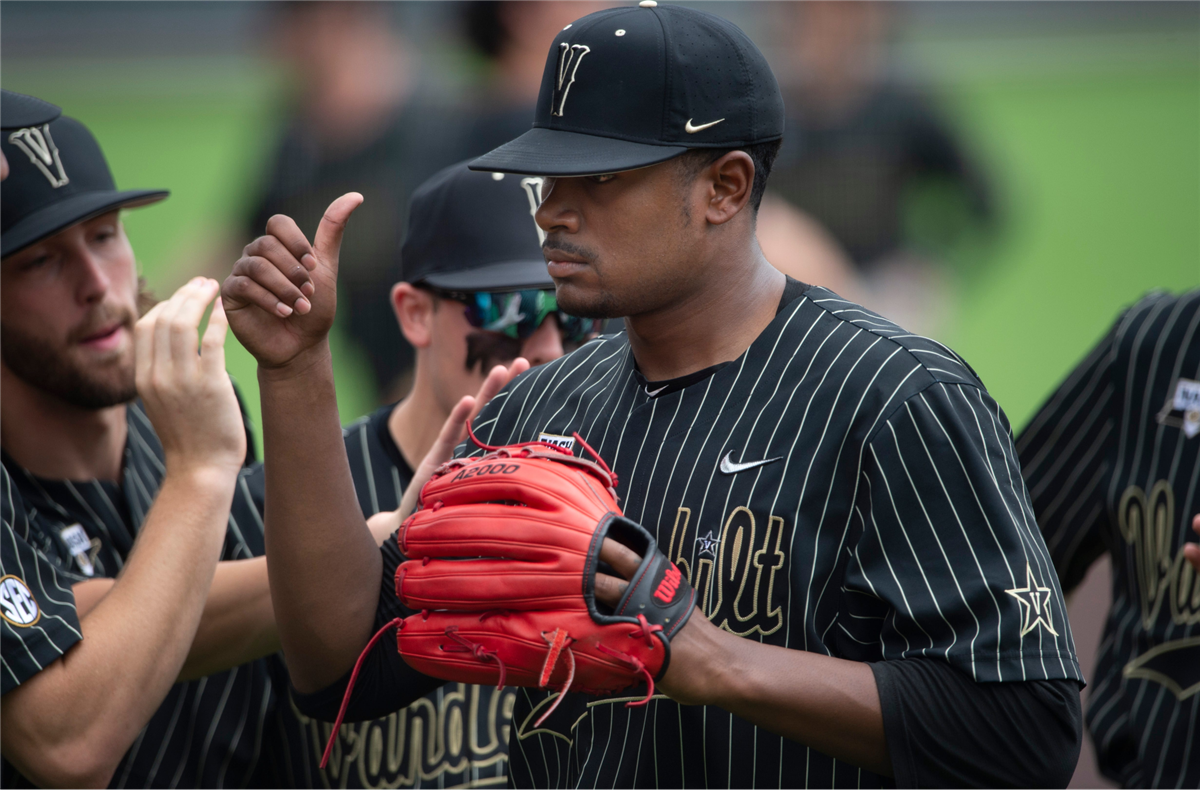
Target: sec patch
(17, 604)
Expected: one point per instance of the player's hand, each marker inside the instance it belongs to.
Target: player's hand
(383, 525)
(689, 675)
(1192, 550)
(282, 294)
(186, 392)
(454, 430)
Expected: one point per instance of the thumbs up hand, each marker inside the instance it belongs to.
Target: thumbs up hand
(281, 297)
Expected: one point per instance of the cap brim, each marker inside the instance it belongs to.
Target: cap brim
(508, 276)
(18, 111)
(551, 152)
(51, 219)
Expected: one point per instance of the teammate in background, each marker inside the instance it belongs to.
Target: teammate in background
(474, 295)
(1112, 463)
(845, 496)
(357, 119)
(511, 37)
(92, 666)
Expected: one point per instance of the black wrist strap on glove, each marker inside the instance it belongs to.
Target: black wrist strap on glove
(659, 599)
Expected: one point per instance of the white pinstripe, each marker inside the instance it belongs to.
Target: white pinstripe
(818, 375)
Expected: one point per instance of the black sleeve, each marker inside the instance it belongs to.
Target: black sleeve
(38, 621)
(950, 546)
(247, 425)
(385, 682)
(945, 730)
(1067, 453)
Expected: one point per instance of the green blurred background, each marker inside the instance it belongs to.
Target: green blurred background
(1090, 131)
(1085, 116)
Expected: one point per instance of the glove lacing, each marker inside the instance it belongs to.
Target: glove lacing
(559, 642)
(398, 623)
(464, 645)
(637, 666)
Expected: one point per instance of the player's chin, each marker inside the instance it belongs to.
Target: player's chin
(586, 300)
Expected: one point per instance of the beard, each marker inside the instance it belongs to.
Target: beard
(599, 304)
(52, 369)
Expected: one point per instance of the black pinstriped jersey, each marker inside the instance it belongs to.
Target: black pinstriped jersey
(455, 736)
(207, 732)
(1112, 462)
(843, 487)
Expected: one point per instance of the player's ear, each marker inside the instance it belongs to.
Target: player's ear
(731, 180)
(414, 308)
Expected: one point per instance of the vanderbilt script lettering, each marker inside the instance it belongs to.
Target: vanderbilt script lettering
(749, 556)
(422, 742)
(1147, 523)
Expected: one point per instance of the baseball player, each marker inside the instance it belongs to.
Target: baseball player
(475, 295)
(97, 636)
(841, 499)
(1112, 463)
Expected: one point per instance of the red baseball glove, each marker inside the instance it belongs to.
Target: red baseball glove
(502, 562)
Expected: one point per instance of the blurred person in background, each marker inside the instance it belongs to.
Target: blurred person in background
(512, 37)
(476, 302)
(363, 119)
(1112, 463)
(125, 641)
(859, 147)
(356, 121)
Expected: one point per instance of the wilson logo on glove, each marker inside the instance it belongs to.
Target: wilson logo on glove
(501, 574)
(669, 585)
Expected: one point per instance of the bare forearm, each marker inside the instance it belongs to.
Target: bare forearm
(92, 703)
(829, 704)
(238, 624)
(324, 564)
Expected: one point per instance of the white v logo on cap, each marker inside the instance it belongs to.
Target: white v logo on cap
(569, 58)
(39, 146)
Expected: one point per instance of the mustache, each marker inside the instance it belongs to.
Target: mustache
(557, 243)
(103, 316)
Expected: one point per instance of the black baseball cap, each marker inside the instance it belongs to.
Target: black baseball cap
(57, 177)
(630, 87)
(18, 110)
(471, 231)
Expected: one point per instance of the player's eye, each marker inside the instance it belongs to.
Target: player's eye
(105, 233)
(35, 263)
(603, 178)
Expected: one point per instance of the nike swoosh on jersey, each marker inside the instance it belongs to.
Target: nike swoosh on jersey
(730, 468)
(690, 129)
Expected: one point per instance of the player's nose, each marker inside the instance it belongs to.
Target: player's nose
(545, 344)
(92, 280)
(556, 211)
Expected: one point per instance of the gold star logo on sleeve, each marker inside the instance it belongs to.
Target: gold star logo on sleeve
(1035, 604)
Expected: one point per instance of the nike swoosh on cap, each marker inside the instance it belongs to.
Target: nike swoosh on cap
(730, 468)
(690, 129)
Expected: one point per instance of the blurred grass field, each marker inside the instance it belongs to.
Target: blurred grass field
(1099, 176)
